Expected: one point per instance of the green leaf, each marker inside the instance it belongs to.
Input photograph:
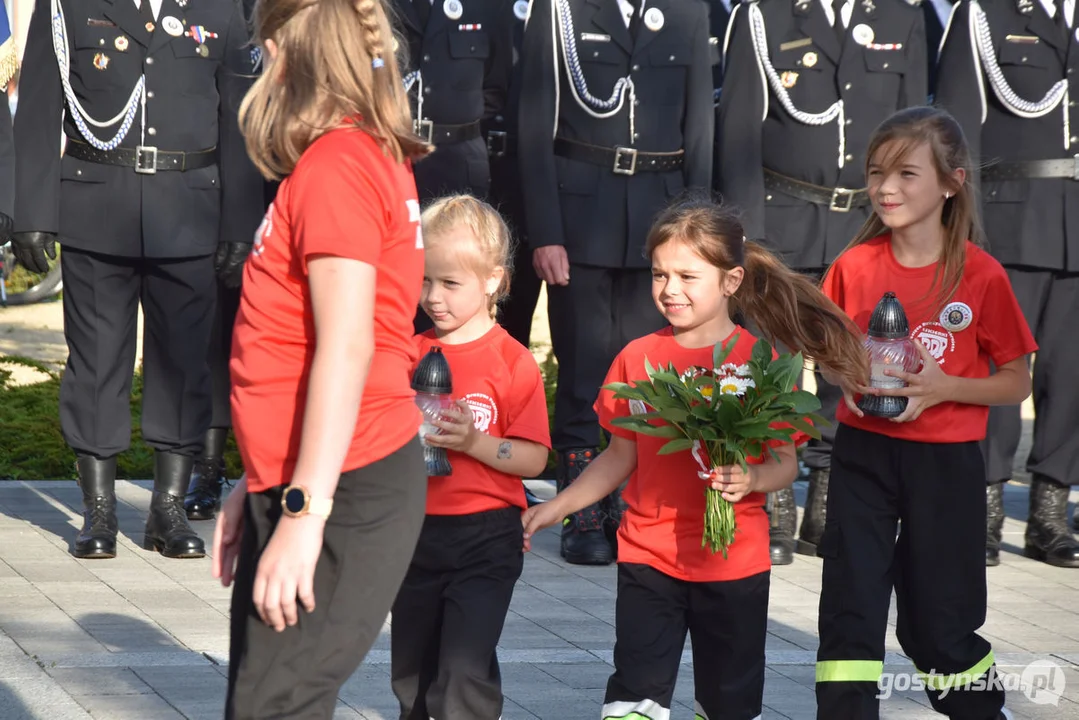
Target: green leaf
(819, 420)
(804, 402)
(679, 445)
(762, 353)
(721, 351)
(805, 427)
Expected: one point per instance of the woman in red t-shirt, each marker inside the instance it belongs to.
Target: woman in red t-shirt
(332, 503)
(703, 268)
(449, 613)
(922, 470)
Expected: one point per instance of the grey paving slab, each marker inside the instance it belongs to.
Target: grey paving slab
(142, 637)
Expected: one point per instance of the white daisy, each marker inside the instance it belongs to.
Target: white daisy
(736, 370)
(731, 385)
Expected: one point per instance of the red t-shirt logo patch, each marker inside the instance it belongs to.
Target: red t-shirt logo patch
(484, 410)
(936, 339)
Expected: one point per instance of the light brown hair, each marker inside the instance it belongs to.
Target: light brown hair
(902, 133)
(492, 245)
(332, 66)
(786, 306)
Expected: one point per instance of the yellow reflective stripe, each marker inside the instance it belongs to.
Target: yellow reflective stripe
(946, 682)
(849, 670)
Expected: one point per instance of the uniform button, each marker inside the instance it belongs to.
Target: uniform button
(427, 90)
(151, 131)
(472, 48)
(499, 118)
(885, 66)
(847, 86)
(1074, 139)
(1069, 71)
(849, 121)
(636, 136)
(1071, 103)
(427, 58)
(671, 58)
(101, 41)
(848, 158)
(1024, 59)
(767, 197)
(595, 53)
(149, 61)
(149, 93)
(636, 103)
(636, 68)
(78, 172)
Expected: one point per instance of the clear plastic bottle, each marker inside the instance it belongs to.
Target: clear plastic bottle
(890, 347)
(434, 395)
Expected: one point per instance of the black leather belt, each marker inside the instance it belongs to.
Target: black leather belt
(146, 159)
(501, 143)
(447, 134)
(619, 160)
(1021, 169)
(836, 199)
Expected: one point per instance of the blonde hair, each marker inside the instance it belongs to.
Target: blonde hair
(331, 66)
(787, 306)
(492, 246)
(905, 131)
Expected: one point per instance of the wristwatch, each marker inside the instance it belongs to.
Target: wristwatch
(297, 502)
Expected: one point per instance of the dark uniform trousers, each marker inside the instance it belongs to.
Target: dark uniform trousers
(601, 217)
(935, 493)
(367, 544)
(1032, 223)
(727, 623)
(449, 613)
(129, 237)
(815, 69)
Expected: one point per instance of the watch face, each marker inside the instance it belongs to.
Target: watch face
(294, 500)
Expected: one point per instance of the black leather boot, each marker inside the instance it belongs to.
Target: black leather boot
(1047, 537)
(614, 507)
(813, 519)
(97, 480)
(207, 477)
(994, 522)
(584, 541)
(167, 530)
(783, 517)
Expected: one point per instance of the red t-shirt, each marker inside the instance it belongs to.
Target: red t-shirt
(982, 322)
(664, 522)
(500, 381)
(348, 199)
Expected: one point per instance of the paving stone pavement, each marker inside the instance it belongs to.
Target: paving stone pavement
(142, 637)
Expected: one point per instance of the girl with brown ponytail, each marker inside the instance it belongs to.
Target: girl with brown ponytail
(319, 533)
(703, 270)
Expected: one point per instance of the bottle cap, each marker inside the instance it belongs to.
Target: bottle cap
(889, 321)
(432, 375)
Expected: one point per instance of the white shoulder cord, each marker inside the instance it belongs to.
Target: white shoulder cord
(78, 114)
(760, 45)
(562, 20)
(415, 78)
(1057, 95)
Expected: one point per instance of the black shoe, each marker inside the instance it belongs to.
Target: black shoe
(167, 530)
(584, 540)
(614, 507)
(97, 479)
(1047, 536)
(994, 522)
(207, 478)
(783, 521)
(813, 519)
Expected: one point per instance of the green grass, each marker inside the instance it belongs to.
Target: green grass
(32, 448)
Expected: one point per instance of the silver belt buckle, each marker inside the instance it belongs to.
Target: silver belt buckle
(426, 130)
(847, 196)
(622, 152)
(146, 159)
(496, 143)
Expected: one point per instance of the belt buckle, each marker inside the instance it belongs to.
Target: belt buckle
(839, 194)
(426, 130)
(623, 152)
(496, 143)
(146, 159)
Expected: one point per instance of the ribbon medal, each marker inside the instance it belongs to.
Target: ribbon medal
(200, 35)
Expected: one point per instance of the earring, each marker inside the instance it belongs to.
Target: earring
(947, 195)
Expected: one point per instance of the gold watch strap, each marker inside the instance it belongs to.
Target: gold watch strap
(320, 507)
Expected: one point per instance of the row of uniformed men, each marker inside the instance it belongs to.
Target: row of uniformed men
(580, 129)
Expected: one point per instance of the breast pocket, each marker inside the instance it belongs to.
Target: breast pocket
(1025, 66)
(800, 75)
(603, 64)
(885, 70)
(670, 64)
(197, 68)
(105, 57)
(469, 50)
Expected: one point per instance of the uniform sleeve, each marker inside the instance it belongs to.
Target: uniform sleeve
(243, 201)
(336, 207)
(916, 79)
(537, 115)
(7, 166)
(959, 79)
(699, 128)
(608, 408)
(38, 127)
(739, 155)
(1002, 330)
(528, 419)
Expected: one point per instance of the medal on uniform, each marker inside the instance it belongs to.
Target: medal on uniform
(453, 9)
(101, 61)
(1026, 7)
(172, 26)
(120, 43)
(869, 7)
(809, 59)
(182, 3)
(788, 79)
(520, 9)
(149, 27)
(862, 34)
(653, 19)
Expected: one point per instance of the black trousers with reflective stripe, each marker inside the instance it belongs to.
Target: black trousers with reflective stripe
(935, 494)
(727, 622)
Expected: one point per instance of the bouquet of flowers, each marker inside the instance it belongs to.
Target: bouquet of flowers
(722, 415)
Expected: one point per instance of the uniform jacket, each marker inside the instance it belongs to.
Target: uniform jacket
(873, 81)
(602, 218)
(7, 161)
(191, 105)
(500, 131)
(1028, 222)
